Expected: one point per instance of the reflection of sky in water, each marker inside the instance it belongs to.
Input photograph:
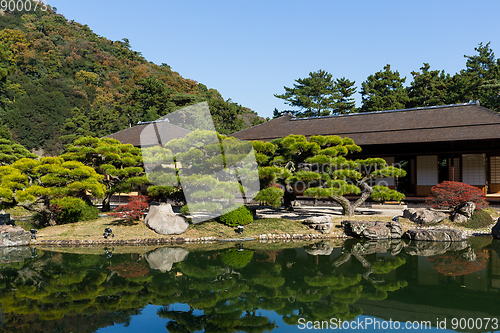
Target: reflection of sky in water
(148, 321)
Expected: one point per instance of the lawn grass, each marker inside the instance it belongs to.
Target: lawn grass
(93, 230)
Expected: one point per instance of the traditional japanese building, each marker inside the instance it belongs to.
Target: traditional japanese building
(458, 142)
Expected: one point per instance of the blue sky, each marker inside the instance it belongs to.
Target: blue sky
(249, 50)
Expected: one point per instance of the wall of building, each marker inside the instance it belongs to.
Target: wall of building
(427, 174)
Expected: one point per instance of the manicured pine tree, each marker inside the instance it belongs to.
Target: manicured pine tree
(120, 165)
(35, 184)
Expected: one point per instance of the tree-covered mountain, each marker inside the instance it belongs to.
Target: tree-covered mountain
(59, 80)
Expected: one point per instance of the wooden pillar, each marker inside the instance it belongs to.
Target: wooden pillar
(452, 167)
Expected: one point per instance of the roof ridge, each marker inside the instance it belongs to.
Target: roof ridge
(109, 135)
(390, 111)
(266, 122)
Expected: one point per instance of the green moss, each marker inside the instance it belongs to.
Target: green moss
(479, 219)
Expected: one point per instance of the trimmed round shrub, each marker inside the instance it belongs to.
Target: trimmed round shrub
(70, 209)
(240, 216)
(479, 219)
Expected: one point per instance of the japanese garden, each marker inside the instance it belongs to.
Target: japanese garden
(123, 203)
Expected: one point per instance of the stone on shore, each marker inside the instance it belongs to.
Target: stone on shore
(322, 224)
(163, 220)
(424, 216)
(372, 229)
(13, 236)
(435, 235)
(495, 231)
(464, 212)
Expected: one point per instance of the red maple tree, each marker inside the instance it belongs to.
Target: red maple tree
(133, 210)
(453, 194)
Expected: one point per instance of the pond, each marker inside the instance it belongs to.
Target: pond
(254, 287)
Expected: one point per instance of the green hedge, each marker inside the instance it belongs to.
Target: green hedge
(240, 216)
(74, 210)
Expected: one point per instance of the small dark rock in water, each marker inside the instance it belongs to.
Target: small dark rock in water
(495, 231)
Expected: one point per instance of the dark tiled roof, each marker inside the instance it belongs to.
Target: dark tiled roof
(133, 135)
(431, 124)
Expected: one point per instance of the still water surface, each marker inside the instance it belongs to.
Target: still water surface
(254, 287)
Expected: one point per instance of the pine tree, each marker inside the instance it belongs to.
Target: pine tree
(429, 88)
(384, 91)
(34, 184)
(344, 103)
(120, 165)
(314, 95)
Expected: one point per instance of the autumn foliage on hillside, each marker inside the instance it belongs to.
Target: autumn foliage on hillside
(59, 80)
(450, 195)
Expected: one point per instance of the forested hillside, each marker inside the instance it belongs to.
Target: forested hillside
(59, 80)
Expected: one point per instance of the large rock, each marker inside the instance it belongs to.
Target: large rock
(495, 231)
(322, 224)
(163, 220)
(323, 248)
(163, 258)
(372, 229)
(459, 218)
(435, 235)
(464, 212)
(424, 216)
(13, 236)
(467, 209)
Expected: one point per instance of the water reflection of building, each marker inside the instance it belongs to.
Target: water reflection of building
(432, 295)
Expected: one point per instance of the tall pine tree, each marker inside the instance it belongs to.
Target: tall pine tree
(429, 88)
(344, 102)
(314, 95)
(384, 91)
